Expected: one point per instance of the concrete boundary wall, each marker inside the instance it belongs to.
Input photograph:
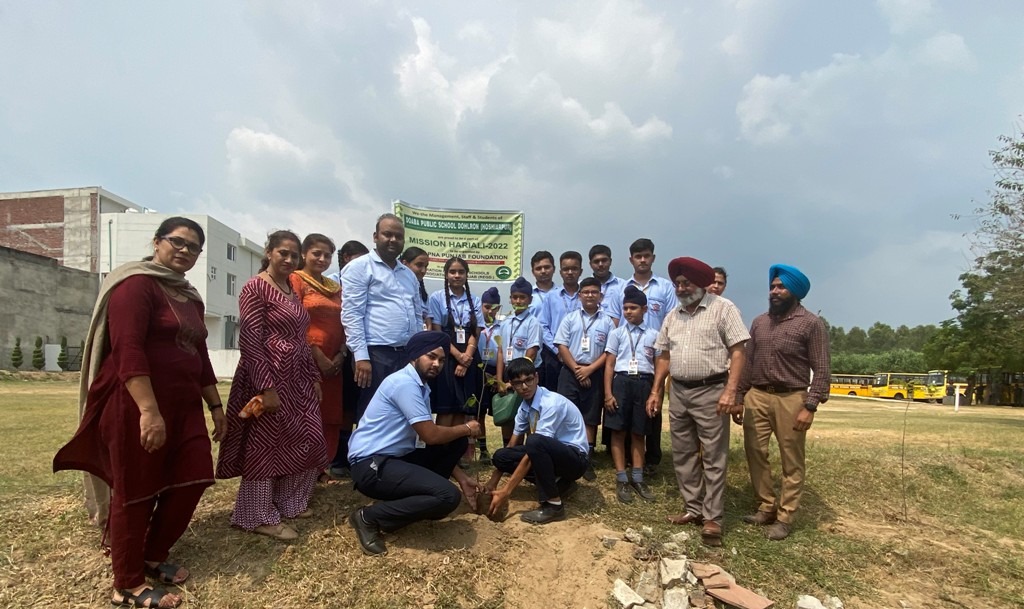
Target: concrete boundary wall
(39, 297)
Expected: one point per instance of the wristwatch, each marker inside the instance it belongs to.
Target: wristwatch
(811, 407)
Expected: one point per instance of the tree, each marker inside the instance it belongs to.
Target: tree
(856, 340)
(38, 361)
(987, 330)
(16, 358)
(881, 337)
(62, 357)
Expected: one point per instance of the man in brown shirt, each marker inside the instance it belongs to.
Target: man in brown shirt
(701, 339)
(788, 347)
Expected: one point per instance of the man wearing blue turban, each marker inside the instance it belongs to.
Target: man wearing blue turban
(785, 378)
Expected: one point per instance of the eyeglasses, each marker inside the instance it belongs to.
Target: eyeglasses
(181, 244)
(524, 382)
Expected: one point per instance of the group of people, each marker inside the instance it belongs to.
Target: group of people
(363, 374)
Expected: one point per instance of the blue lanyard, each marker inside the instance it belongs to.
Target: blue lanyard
(634, 344)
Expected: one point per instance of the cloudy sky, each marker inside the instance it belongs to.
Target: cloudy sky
(836, 136)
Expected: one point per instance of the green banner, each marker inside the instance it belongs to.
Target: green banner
(491, 242)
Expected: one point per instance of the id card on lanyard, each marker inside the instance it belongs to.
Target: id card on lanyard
(509, 353)
(585, 341)
(633, 367)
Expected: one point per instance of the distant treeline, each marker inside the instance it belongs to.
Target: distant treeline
(880, 348)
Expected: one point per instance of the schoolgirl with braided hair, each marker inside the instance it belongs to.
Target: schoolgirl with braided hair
(457, 312)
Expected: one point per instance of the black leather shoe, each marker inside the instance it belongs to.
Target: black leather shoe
(643, 490)
(650, 470)
(589, 475)
(545, 514)
(368, 534)
(624, 492)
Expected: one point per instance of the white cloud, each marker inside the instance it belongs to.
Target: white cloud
(774, 109)
(945, 50)
(269, 168)
(423, 80)
(619, 35)
(905, 15)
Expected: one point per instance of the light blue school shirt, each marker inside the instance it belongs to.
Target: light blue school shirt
(380, 306)
(438, 309)
(577, 324)
(401, 401)
(538, 299)
(556, 417)
(630, 340)
(661, 298)
(556, 306)
(486, 346)
(521, 332)
(608, 291)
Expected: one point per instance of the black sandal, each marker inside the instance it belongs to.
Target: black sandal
(149, 598)
(165, 572)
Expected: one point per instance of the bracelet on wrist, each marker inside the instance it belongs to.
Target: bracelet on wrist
(212, 407)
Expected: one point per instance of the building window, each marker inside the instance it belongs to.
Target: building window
(231, 252)
(230, 332)
(231, 284)
(213, 273)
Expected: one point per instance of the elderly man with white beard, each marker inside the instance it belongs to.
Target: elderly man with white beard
(701, 346)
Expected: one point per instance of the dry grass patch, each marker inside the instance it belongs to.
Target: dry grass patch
(957, 545)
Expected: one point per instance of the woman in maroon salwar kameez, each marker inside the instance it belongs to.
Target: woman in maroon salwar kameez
(143, 431)
(278, 454)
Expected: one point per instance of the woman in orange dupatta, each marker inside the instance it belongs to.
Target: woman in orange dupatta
(321, 297)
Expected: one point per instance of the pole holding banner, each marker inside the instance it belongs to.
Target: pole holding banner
(491, 242)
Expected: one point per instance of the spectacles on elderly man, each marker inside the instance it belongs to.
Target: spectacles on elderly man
(181, 244)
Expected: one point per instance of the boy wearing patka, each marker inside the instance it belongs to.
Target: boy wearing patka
(628, 374)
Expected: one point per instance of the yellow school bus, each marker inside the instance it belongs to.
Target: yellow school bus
(851, 384)
(897, 385)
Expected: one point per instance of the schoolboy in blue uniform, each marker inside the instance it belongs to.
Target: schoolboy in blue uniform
(542, 265)
(628, 374)
(581, 339)
(555, 451)
(601, 264)
(400, 457)
(489, 345)
(661, 298)
(521, 333)
(660, 292)
(557, 304)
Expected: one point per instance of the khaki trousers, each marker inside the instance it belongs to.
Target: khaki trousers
(700, 448)
(765, 414)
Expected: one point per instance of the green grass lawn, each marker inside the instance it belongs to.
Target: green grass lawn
(936, 521)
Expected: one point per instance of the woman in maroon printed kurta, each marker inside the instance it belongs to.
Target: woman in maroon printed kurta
(278, 454)
(143, 431)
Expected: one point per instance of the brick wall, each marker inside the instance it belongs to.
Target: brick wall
(34, 225)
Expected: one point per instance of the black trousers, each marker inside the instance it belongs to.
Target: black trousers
(550, 367)
(410, 488)
(552, 463)
(385, 360)
(349, 400)
(589, 401)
